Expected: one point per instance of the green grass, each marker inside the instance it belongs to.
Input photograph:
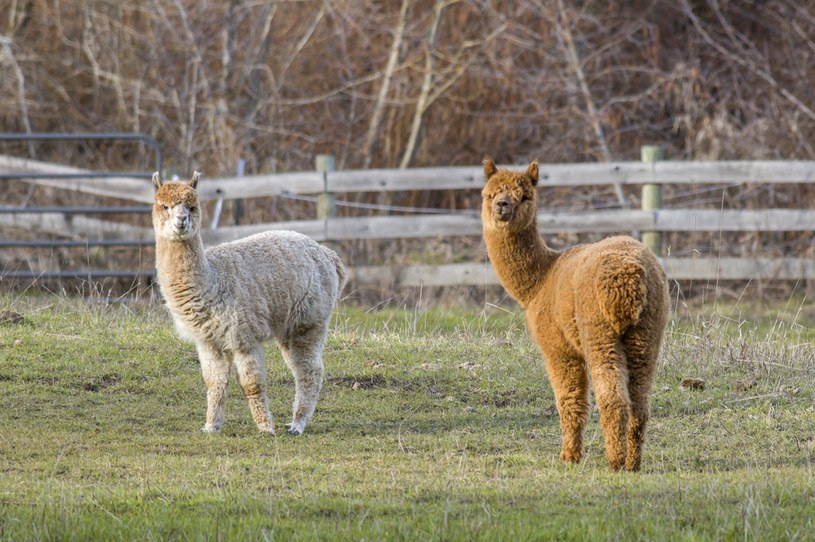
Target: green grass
(433, 425)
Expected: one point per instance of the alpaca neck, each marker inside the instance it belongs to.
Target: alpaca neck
(521, 260)
(181, 265)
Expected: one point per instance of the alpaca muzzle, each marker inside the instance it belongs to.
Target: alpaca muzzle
(181, 222)
(503, 210)
(180, 227)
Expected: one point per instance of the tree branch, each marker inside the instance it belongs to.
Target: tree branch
(427, 83)
(6, 45)
(751, 66)
(564, 33)
(379, 107)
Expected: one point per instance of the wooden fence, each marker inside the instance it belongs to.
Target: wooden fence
(441, 226)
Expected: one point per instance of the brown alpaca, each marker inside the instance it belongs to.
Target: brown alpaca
(597, 311)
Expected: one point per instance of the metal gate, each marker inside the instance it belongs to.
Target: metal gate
(89, 274)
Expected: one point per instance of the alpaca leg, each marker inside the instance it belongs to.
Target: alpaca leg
(252, 377)
(642, 354)
(609, 379)
(304, 356)
(571, 386)
(215, 369)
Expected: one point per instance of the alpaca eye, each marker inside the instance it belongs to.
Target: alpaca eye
(192, 209)
(166, 208)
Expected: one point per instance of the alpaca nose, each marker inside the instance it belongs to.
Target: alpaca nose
(503, 209)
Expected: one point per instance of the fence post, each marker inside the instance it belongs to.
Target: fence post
(326, 202)
(236, 210)
(216, 212)
(652, 197)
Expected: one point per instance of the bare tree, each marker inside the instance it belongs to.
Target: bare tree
(743, 58)
(427, 83)
(438, 80)
(278, 82)
(564, 33)
(8, 53)
(387, 75)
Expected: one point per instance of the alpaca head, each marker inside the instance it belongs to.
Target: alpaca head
(508, 201)
(176, 211)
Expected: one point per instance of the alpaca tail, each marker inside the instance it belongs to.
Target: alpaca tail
(342, 274)
(622, 291)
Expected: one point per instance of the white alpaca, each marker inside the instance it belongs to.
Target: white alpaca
(230, 298)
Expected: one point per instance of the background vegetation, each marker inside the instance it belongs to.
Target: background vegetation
(414, 83)
(432, 425)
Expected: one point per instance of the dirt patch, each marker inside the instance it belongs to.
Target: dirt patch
(104, 382)
(10, 318)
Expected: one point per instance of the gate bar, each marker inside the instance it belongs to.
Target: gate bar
(45, 136)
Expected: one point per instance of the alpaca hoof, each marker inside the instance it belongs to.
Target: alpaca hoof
(570, 457)
(616, 464)
(632, 467)
(210, 429)
(294, 430)
(266, 427)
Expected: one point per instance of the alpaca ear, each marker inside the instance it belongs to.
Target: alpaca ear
(532, 172)
(489, 168)
(156, 181)
(194, 181)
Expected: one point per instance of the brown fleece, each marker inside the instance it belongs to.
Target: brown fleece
(597, 311)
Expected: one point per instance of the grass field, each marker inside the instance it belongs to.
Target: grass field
(433, 425)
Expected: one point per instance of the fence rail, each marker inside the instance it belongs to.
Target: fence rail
(613, 221)
(421, 179)
(79, 228)
(459, 225)
(703, 269)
